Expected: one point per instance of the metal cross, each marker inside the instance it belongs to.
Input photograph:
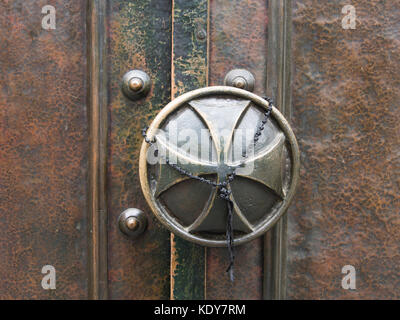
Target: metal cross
(264, 167)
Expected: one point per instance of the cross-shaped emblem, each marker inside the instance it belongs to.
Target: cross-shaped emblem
(221, 116)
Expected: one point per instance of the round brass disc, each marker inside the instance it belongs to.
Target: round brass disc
(266, 180)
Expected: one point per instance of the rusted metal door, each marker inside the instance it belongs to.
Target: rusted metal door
(70, 142)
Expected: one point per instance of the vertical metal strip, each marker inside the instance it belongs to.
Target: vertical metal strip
(189, 71)
(278, 87)
(138, 37)
(238, 34)
(97, 225)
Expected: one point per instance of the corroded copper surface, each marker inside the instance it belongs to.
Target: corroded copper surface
(238, 39)
(189, 71)
(248, 272)
(346, 114)
(43, 150)
(139, 38)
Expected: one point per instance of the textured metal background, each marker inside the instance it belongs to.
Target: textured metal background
(346, 116)
(43, 150)
(238, 39)
(139, 37)
(189, 71)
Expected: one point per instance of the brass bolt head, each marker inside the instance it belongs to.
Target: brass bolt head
(132, 223)
(241, 79)
(201, 34)
(135, 84)
(239, 82)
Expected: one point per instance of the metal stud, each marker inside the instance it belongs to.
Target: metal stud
(240, 82)
(136, 84)
(132, 222)
(240, 78)
(201, 34)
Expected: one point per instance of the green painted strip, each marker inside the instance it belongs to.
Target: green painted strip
(190, 71)
(139, 37)
(189, 270)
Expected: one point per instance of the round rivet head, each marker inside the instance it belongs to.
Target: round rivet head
(239, 82)
(240, 78)
(201, 34)
(132, 222)
(136, 84)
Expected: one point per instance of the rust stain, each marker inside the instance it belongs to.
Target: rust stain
(189, 71)
(238, 39)
(139, 38)
(346, 117)
(43, 153)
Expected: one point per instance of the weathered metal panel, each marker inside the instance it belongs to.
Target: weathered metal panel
(139, 36)
(189, 72)
(279, 88)
(346, 114)
(98, 125)
(238, 39)
(43, 150)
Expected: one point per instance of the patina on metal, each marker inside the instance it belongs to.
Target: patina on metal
(138, 37)
(136, 84)
(265, 184)
(189, 71)
(132, 222)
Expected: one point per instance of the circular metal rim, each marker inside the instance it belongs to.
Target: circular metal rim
(171, 223)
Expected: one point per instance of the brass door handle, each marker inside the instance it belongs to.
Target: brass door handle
(217, 161)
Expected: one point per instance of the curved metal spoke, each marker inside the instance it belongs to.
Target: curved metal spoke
(241, 216)
(267, 167)
(220, 125)
(168, 177)
(205, 212)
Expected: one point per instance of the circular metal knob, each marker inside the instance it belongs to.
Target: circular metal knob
(136, 84)
(219, 159)
(132, 222)
(240, 78)
(239, 82)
